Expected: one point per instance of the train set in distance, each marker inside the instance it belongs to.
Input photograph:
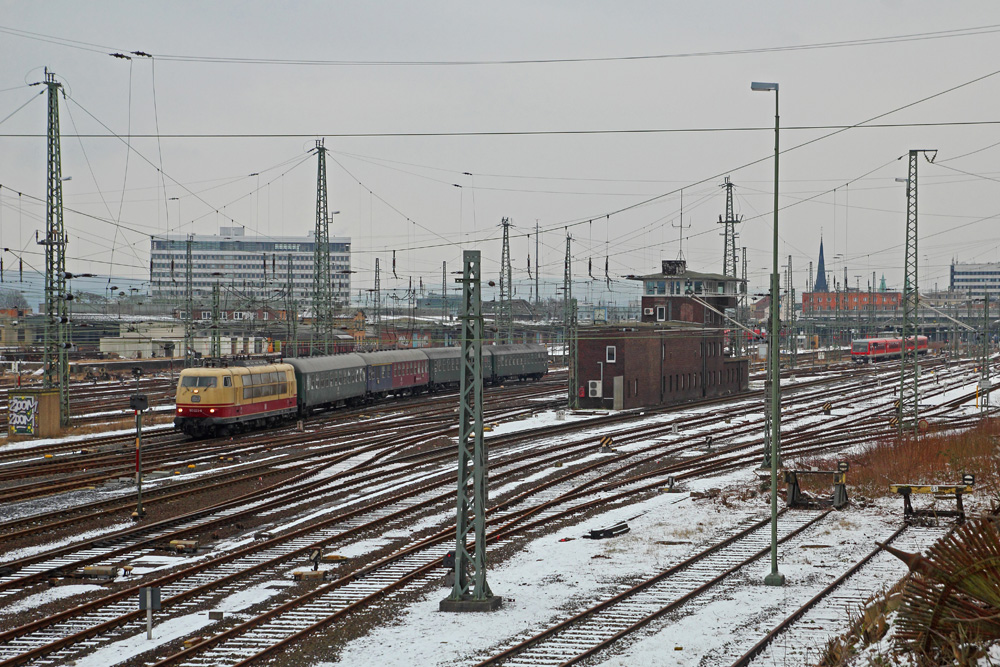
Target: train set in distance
(220, 401)
(869, 350)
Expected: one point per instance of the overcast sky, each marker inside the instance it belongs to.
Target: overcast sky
(399, 192)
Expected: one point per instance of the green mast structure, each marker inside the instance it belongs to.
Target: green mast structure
(909, 375)
(569, 324)
(57, 340)
(189, 302)
(505, 316)
(470, 591)
(322, 296)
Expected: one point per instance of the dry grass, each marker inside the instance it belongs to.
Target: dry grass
(939, 458)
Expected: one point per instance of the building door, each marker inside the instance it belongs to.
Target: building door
(619, 396)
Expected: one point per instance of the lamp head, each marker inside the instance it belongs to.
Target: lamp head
(760, 85)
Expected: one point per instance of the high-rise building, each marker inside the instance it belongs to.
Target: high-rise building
(253, 268)
(976, 279)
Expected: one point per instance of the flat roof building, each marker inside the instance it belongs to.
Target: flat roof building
(976, 279)
(256, 268)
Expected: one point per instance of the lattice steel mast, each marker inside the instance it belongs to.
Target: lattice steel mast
(793, 346)
(322, 297)
(505, 314)
(444, 292)
(215, 350)
(569, 323)
(378, 304)
(909, 376)
(292, 311)
(57, 339)
(729, 254)
(744, 316)
(189, 303)
(471, 591)
(984, 363)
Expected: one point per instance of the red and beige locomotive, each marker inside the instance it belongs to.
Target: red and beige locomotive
(225, 400)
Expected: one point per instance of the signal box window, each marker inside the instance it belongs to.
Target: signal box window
(661, 313)
(610, 354)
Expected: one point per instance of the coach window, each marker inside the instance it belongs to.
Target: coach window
(610, 354)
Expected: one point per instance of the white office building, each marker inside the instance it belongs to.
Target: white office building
(976, 279)
(251, 269)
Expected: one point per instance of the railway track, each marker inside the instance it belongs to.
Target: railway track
(520, 511)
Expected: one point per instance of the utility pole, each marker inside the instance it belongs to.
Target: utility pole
(569, 323)
(505, 316)
(909, 376)
(215, 350)
(189, 302)
(57, 339)
(322, 296)
(729, 254)
(471, 592)
(378, 304)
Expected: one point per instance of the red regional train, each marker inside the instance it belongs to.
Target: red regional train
(869, 350)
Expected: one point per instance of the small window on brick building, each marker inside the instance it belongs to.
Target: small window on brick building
(661, 313)
(610, 354)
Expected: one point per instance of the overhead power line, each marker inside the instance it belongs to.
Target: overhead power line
(120, 52)
(508, 133)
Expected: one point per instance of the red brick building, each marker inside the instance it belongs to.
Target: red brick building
(850, 301)
(676, 354)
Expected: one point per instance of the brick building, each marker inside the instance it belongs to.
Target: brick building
(676, 354)
(818, 303)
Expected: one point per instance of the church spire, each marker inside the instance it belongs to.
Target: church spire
(821, 271)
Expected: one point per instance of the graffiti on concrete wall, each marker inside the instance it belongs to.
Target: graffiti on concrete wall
(22, 412)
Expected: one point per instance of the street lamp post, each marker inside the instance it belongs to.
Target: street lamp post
(775, 578)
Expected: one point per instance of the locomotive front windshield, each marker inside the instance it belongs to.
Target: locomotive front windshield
(196, 381)
(861, 347)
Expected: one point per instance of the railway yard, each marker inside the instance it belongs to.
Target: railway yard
(370, 494)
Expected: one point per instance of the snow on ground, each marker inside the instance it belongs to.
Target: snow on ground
(28, 444)
(48, 546)
(50, 595)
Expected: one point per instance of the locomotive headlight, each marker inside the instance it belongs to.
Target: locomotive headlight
(211, 409)
(195, 391)
(180, 410)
